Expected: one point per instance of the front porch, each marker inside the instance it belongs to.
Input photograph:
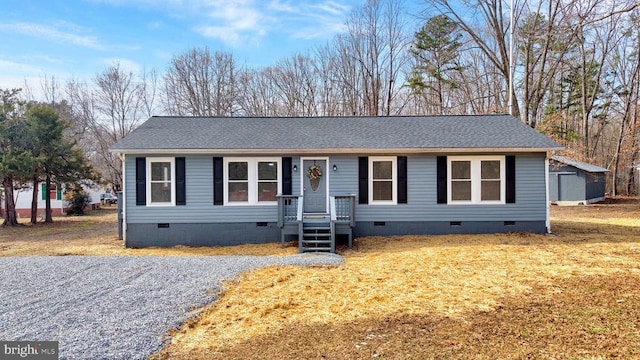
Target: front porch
(316, 231)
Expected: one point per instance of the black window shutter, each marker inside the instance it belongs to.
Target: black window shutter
(402, 179)
(442, 179)
(141, 181)
(286, 176)
(217, 181)
(510, 178)
(181, 184)
(363, 180)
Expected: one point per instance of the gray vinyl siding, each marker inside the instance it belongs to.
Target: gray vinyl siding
(344, 181)
(199, 206)
(530, 195)
(422, 196)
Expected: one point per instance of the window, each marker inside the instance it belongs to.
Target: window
(160, 186)
(491, 180)
(461, 180)
(238, 183)
(267, 180)
(251, 181)
(382, 177)
(476, 179)
(55, 193)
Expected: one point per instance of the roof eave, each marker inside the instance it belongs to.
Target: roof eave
(334, 151)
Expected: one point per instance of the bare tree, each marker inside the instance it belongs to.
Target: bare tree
(118, 99)
(117, 103)
(257, 95)
(150, 82)
(201, 83)
(377, 42)
(486, 25)
(329, 88)
(296, 82)
(625, 64)
(544, 38)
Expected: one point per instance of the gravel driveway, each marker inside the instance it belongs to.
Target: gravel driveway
(115, 307)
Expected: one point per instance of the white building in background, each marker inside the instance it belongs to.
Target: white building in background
(58, 204)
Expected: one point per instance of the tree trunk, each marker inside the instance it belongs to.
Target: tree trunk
(34, 200)
(47, 210)
(11, 217)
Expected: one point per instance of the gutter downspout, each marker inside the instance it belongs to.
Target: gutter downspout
(124, 201)
(547, 203)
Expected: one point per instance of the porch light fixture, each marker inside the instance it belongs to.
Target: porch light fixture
(335, 167)
(295, 167)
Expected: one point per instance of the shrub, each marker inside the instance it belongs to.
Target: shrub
(77, 199)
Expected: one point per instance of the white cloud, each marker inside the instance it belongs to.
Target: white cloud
(233, 22)
(237, 22)
(143, 3)
(312, 20)
(53, 33)
(333, 8)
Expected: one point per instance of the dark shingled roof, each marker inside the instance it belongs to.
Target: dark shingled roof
(579, 164)
(333, 134)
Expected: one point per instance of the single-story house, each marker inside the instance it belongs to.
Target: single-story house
(573, 182)
(235, 180)
(59, 206)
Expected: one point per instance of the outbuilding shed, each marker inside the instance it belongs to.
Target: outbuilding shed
(573, 182)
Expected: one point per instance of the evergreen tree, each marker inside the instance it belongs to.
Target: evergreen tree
(56, 160)
(436, 55)
(15, 159)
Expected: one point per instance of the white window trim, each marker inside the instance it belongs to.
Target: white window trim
(171, 160)
(476, 181)
(252, 178)
(394, 180)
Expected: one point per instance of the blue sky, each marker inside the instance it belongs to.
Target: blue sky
(78, 38)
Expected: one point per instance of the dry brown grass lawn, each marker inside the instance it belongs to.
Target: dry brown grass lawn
(97, 234)
(571, 295)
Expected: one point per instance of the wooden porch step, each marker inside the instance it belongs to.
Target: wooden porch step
(315, 216)
(316, 241)
(318, 237)
(314, 226)
(316, 249)
(316, 233)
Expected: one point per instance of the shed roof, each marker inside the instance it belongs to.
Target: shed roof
(578, 164)
(333, 134)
